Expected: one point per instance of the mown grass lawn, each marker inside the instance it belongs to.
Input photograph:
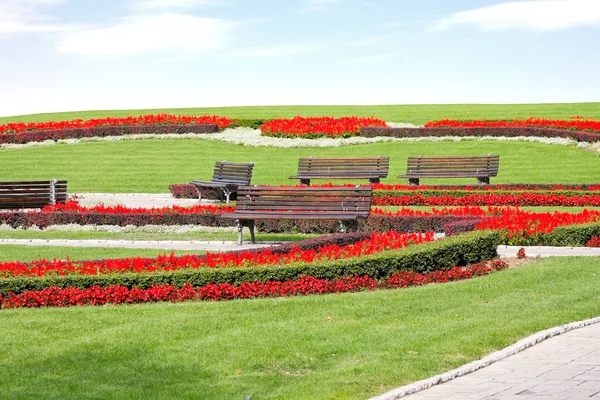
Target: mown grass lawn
(150, 166)
(415, 113)
(348, 346)
(29, 253)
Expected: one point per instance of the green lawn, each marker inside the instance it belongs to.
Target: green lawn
(149, 166)
(416, 114)
(348, 346)
(29, 253)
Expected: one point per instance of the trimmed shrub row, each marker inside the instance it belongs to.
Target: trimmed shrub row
(375, 223)
(570, 235)
(457, 193)
(189, 191)
(370, 131)
(460, 250)
(104, 131)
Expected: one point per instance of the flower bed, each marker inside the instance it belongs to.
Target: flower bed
(577, 123)
(376, 243)
(524, 227)
(423, 258)
(19, 133)
(510, 132)
(459, 195)
(464, 198)
(142, 120)
(306, 285)
(313, 127)
(208, 215)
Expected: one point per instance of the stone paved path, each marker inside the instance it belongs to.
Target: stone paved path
(566, 366)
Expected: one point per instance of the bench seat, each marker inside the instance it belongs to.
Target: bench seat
(371, 168)
(480, 167)
(298, 203)
(227, 176)
(32, 194)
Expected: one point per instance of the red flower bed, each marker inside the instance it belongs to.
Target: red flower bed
(489, 199)
(485, 188)
(96, 295)
(593, 242)
(74, 206)
(318, 126)
(377, 243)
(157, 119)
(574, 123)
(521, 224)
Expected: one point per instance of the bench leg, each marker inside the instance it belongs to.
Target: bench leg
(413, 181)
(305, 182)
(251, 227)
(240, 228)
(342, 227)
(483, 180)
(227, 193)
(374, 180)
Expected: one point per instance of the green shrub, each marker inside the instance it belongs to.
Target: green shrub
(464, 249)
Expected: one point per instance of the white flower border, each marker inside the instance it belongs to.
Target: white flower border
(252, 137)
(123, 229)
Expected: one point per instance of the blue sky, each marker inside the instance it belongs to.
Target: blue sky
(68, 55)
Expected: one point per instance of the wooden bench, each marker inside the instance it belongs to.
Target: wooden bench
(371, 168)
(226, 178)
(299, 203)
(480, 167)
(32, 194)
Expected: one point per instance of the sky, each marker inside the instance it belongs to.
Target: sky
(73, 55)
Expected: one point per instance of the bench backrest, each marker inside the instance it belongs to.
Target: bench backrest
(231, 172)
(32, 194)
(375, 167)
(459, 165)
(355, 200)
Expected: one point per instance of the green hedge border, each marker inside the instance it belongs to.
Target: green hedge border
(469, 248)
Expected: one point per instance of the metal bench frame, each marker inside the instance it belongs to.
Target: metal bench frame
(227, 177)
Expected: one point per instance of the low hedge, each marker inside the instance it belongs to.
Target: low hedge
(458, 193)
(103, 131)
(375, 223)
(189, 191)
(571, 235)
(254, 123)
(460, 250)
(371, 131)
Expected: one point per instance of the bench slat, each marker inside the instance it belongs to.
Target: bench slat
(227, 176)
(372, 168)
(480, 167)
(31, 194)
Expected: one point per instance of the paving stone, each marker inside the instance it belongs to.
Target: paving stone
(563, 367)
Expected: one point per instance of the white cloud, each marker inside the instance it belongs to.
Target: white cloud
(373, 58)
(170, 4)
(278, 50)
(150, 33)
(27, 16)
(544, 15)
(316, 5)
(370, 40)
